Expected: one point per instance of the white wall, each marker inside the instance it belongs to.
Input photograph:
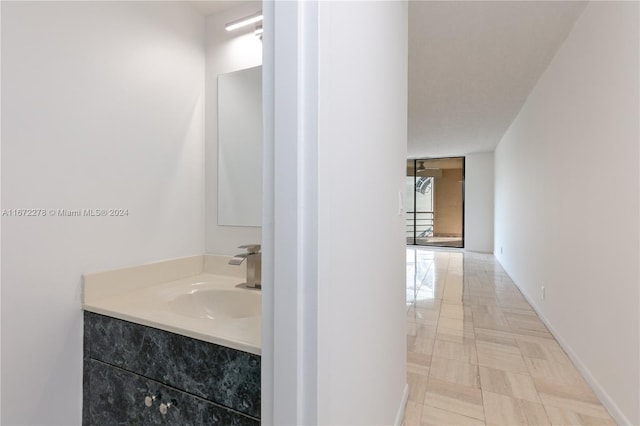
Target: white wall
(567, 208)
(102, 107)
(478, 202)
(225, 52)
(362, 113)
(333, 278)
(0, 220)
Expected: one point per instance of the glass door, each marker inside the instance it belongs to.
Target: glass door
(435, 202)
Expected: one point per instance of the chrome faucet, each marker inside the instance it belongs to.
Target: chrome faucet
(254, 264)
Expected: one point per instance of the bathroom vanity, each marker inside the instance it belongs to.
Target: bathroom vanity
(175, 343)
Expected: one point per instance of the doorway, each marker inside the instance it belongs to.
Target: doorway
(435, 202)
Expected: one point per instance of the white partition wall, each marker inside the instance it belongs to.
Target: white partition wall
(362, 82)
(333, 226)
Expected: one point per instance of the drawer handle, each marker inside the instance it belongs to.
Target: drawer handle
(149, 400)
(164, 408)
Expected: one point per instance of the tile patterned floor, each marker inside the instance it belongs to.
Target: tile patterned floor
(477, 353)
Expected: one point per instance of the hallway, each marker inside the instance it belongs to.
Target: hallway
(478, 354)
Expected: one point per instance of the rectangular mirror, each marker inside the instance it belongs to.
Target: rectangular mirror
(240, 148)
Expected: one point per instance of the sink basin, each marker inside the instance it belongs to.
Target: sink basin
(217, 304)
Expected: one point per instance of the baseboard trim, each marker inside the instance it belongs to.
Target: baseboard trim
(403, 405)
(608, 403)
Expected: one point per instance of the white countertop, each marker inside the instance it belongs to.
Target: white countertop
(147, 295)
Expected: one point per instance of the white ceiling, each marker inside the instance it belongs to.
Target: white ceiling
(472, 66)
(207, 7)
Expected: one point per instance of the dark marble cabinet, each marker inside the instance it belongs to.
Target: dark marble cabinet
(200, 382)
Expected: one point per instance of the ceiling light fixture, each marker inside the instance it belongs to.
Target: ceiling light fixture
(242, 22)
(259, 30)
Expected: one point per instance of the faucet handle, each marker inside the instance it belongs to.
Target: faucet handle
(251, 248)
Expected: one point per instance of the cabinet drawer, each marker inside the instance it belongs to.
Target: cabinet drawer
(216, 373)
(117, 397)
